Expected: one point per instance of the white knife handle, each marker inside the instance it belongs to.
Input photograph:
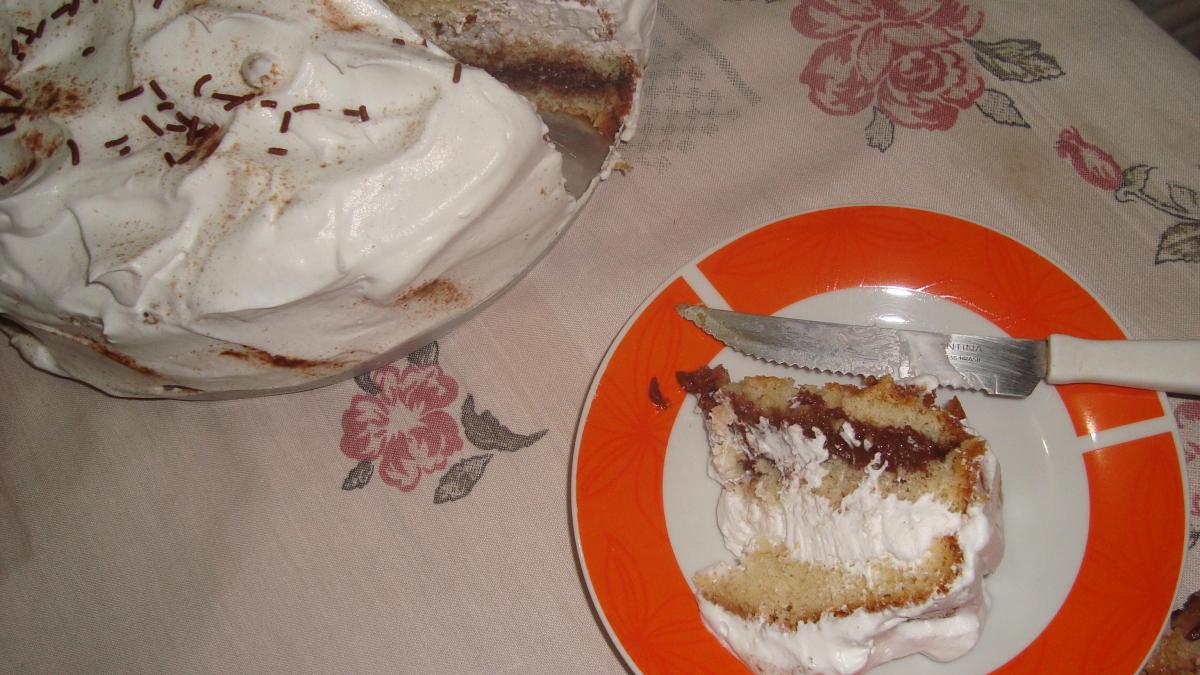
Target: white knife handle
(1162, 365)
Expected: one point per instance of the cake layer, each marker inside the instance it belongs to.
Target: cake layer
(771, 586)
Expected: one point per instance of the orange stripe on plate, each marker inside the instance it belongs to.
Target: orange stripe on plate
(622, 528)
(987, 272)
(1110, 619)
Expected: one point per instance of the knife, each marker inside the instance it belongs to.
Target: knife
(996, 365)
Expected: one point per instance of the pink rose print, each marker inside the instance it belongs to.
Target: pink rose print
(906, 56)
(1187, 416)
(1091, 163)
(404, 425)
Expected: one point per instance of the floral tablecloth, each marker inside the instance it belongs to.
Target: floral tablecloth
(416, 519)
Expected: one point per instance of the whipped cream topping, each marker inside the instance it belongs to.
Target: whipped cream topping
(243, 195)
(865, 526)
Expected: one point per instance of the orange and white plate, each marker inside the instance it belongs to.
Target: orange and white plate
(1094, 495)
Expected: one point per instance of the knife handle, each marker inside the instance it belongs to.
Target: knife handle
(1162, 365)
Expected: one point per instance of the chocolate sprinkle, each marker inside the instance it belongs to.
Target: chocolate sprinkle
(200, 82)
(457, 73)
(41, 28)
(240, 100)
(4, 131)
(3, 181)
(157, 3)
(306, 106)
(153, 127)
(176, 128)
(362, 113)
(74, 151)
(226, 97)
(170, 160)
(287, 120)
(277, 151)
(268, 103)
(186, 156)
(11, 110)
(165, 105)
(125, 151)
(158, 90)
(132, 93)
(88, 51)
(116, 141)
(656, 396)
(398, 41)
(60, 11)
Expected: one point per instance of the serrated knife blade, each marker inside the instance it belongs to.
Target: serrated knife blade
(996, 365)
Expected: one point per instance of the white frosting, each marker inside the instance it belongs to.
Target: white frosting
(243, 268)
(865, 526)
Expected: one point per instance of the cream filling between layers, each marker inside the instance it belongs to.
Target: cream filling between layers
(866, 526)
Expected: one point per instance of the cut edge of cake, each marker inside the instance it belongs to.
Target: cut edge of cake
(596, 81)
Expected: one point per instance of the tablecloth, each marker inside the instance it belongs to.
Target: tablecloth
(279, 534)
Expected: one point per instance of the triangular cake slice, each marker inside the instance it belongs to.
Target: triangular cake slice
(863, 520)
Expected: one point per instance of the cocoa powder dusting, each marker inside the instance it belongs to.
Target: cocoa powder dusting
(278, 360)
(120, 358)
(439, 292)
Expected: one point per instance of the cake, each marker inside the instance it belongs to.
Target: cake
(862, 520)
(199, 199)
(1178, 652)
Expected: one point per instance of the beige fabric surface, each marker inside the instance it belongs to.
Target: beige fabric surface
(163, 536)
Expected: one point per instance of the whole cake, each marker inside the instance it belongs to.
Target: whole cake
(863, 520)
(199, 198)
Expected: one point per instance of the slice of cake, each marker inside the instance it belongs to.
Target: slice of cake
(863, 520)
